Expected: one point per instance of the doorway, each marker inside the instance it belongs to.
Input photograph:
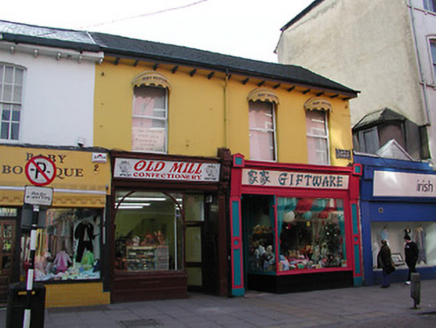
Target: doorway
(7, 250)
(194, 256)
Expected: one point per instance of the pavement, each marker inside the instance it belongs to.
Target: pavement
(348, 307)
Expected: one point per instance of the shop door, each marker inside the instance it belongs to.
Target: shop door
(7, 247)
(194, 256)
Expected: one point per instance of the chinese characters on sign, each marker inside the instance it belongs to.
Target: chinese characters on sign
(271, 178)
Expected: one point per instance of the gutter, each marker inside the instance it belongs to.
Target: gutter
(53, 43)
(422, 81)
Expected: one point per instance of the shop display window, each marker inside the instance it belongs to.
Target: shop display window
(260, 215)
(310, 234)
(148, 231)
(68, 247)
(422, 233)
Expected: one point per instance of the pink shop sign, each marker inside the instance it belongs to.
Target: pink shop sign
(166, 170)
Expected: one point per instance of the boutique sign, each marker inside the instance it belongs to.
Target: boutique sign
(271, 178)
(166, 170)
(401, 184)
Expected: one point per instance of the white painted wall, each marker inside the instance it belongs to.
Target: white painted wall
(364, 44)
(58, 96)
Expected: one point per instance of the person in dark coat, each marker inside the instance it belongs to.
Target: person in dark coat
(384, 261)
(411, 251)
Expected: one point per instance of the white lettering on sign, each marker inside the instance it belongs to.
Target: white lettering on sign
(271, 178)
(401, 184)
(166, 170)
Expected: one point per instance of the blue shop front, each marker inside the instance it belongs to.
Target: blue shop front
(398, 197)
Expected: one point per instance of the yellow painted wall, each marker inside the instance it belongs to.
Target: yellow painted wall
(81, 294)
(200, 108)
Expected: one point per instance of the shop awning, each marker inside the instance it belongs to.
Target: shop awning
(318, 104)
(263, 94)
(152, 79)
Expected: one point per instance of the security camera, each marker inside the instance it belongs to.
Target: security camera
(81, 142)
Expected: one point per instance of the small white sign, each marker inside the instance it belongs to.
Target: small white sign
(38, 196)
(99, 158)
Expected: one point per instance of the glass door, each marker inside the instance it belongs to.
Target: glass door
(193, 256)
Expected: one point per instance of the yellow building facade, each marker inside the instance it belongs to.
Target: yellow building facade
(208, 109)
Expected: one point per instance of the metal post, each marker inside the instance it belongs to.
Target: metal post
(30, 272)
(415, 289)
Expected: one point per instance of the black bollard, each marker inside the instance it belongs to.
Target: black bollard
(415, 289)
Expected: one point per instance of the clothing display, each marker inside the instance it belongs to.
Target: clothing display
(84, 234)
(66, 248)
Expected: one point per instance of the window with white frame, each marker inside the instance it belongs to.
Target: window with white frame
(11, 89)
(317, 137)
(150, 119)
(433, 56)
(262, 131)
(430, 5)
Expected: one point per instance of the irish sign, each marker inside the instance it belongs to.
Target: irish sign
(166, 170)
(402, 184)
(272, 178)
(40, 171)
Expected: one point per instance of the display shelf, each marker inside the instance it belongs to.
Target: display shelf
(146, 258)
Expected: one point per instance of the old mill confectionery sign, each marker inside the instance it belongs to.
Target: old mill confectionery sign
(166, 170)
(272, 178)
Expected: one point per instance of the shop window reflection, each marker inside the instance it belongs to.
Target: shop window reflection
(148, 231)
(68, 248)
(312, 233)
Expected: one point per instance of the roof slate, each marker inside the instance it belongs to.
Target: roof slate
(286, 73)
(124, 46)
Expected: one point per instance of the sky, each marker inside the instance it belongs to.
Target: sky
(243, 28)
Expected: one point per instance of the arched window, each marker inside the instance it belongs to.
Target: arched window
(261, 107)
(317, 131)
(150, 113)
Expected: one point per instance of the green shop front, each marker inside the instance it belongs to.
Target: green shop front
(293, 227)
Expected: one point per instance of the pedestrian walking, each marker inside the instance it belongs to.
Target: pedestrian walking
(411, 251)
(384, 261)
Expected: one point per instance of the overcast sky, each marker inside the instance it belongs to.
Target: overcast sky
(244, 28)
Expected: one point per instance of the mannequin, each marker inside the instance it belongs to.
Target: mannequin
(84, 234)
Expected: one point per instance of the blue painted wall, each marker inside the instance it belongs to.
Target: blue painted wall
(390, 209)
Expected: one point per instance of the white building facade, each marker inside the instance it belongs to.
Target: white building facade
(386, 50)
(48, 92)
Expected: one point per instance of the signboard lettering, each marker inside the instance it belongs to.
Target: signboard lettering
(401, 184)
(166, 170)
(274, 178)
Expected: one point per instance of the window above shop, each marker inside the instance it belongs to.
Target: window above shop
(150, 119)
(430, 5)
(377, 129)
(317, 137)
(11, 89)
(262, 130)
